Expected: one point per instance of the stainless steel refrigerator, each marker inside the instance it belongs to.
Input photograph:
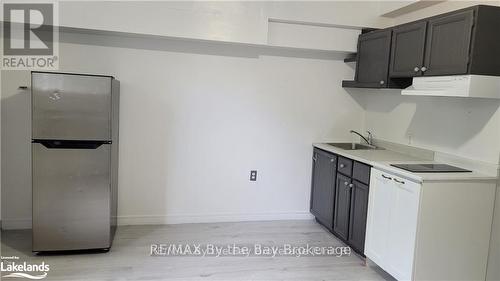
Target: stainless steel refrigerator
(74, 160)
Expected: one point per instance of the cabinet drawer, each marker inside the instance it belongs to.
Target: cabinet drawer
(345, 166)
(361, 172)
(330, 155)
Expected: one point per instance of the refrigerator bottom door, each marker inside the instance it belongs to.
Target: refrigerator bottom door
(71, 198)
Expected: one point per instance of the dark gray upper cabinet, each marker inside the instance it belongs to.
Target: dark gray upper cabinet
(485, 51)
(448, 44)
(460, 42)
(372, 68)
(373, 57)
(323, 186)
(408, 49)
(358, 213)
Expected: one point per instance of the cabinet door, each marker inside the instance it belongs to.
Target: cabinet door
(448, 44)
(403, 224)
(323, 187)
(373, 58)
(357, 222)
(379, 213)
(407, 54)
(342, 206)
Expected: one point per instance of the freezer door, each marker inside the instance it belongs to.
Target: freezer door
(71, 197)
(71, 107)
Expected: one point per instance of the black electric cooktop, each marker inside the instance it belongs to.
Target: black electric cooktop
(430, 168)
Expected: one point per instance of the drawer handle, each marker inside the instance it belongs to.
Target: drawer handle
(332, 160)
(386, 177)
(342, 166)
(398, 181)
(346, 183)
(351, 185)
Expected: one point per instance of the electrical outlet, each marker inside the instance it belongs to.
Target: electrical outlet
(253, 175)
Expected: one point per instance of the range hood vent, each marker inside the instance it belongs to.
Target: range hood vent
(478, 86)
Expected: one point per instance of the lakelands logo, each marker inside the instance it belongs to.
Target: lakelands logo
(12, 268)
(30, 36)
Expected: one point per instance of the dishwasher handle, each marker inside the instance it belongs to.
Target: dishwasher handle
(386, 177)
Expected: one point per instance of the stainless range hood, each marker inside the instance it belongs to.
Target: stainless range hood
(479, 86)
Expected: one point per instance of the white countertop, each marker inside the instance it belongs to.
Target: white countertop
(382, 158)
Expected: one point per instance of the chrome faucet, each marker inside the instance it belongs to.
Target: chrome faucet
(370, 137)
(368, 140)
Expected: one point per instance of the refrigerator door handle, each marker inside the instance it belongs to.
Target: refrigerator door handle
(71, 144)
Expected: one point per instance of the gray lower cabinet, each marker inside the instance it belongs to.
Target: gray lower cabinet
(323, 186)
(342, 206)
(339, 196)
(357, 216)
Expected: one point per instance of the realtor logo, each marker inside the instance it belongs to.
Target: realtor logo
(28, 29)
(29, 36)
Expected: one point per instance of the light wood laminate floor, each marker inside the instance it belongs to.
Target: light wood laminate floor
(129, 258)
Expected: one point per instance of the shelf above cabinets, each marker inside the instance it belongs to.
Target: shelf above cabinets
(393, 83)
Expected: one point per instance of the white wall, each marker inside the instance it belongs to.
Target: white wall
(0, 160)
(493, 273)
(15, 140)
(464, 127)
(230, 21)
(195, 119)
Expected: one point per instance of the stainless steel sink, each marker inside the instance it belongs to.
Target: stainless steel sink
(353, 146)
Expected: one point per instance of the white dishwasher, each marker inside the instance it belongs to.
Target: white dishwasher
(429, 230)
(392, 223)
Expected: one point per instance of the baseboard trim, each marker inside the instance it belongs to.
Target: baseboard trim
(211, 218)
(12, 224)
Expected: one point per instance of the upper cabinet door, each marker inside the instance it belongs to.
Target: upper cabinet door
(373, 58)
(448, 44)
(408, 45)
